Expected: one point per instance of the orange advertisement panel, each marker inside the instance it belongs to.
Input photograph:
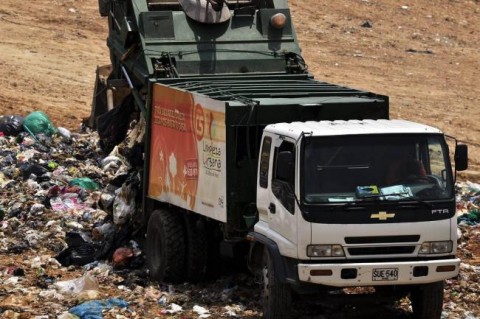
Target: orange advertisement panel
(187, 151)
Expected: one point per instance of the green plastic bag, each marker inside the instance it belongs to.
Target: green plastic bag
(85, 183)
(52, 165)
(38, 122)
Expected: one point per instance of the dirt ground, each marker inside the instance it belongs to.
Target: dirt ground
(424, 54)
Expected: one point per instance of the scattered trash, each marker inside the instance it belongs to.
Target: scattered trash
(75, 286)
(203, 312)
(103, 232)
(174, 308)
(233, 310)
(11, 125)
(65, 133)
(74, 203)
(366, 24)
(121, 256)
(419, 51)
(113, 125)
(93, 309)
(39, 122)
(124, 204)
(80, 251)
(67, 202)
(85, 183)
(468, 203)
(87, 295)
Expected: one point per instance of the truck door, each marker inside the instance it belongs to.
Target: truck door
(275, 194)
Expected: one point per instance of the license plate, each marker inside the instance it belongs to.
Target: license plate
(385, 274)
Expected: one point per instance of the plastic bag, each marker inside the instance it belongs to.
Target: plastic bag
(124, 204)
(121, 256)
(66, 202)
(65, 133)
(38, 122)
(93, 309)
(80, 250)
(85, 183)
(203, 312)
(103, 232)
(75, 286)
(113, 125)
(28, 169)
(11, 125)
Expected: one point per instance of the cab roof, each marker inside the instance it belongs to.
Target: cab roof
(351, 127)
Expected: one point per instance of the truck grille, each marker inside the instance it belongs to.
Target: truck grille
(359, 251)
(382, 239)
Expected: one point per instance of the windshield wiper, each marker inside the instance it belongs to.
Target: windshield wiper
(406, 202)
(416, 202)
(359, 203)
(378, 196)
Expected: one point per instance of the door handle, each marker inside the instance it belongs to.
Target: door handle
(272, 208)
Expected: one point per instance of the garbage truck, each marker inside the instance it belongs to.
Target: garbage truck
(245, 154)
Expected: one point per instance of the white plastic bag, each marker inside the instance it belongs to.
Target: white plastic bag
(124, 204)
(75, 286)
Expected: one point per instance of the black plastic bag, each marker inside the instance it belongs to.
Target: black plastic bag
(28, 169)
(11, 125)
(112, 126)
(82, 250)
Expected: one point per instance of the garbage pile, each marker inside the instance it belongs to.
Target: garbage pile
(71, 232)
(468, 203)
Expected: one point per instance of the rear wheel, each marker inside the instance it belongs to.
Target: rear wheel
(276, 296)
(427, 301)
(165, 246)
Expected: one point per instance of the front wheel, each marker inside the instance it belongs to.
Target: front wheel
(276, 296)
(165, 246)
(427, 301)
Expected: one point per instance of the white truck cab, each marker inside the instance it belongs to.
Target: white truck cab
(358, 203)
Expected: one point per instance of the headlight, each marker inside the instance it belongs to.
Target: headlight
(436, 247)
(325, 251)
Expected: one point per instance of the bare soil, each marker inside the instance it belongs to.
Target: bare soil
(424, 54)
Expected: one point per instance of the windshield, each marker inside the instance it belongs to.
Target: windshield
(376, 167)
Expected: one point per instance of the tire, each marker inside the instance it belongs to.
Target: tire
(427, 301)
(276, 296)
(165, 247)
(196, 257)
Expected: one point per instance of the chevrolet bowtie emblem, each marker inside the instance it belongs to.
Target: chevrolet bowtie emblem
(382, 215)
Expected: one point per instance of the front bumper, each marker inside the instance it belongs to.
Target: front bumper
(408, 273)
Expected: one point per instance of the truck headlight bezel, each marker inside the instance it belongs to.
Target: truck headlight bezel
(436, 247)
(325, 251)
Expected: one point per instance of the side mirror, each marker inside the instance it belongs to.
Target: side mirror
(285, 166)
(461, 157)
